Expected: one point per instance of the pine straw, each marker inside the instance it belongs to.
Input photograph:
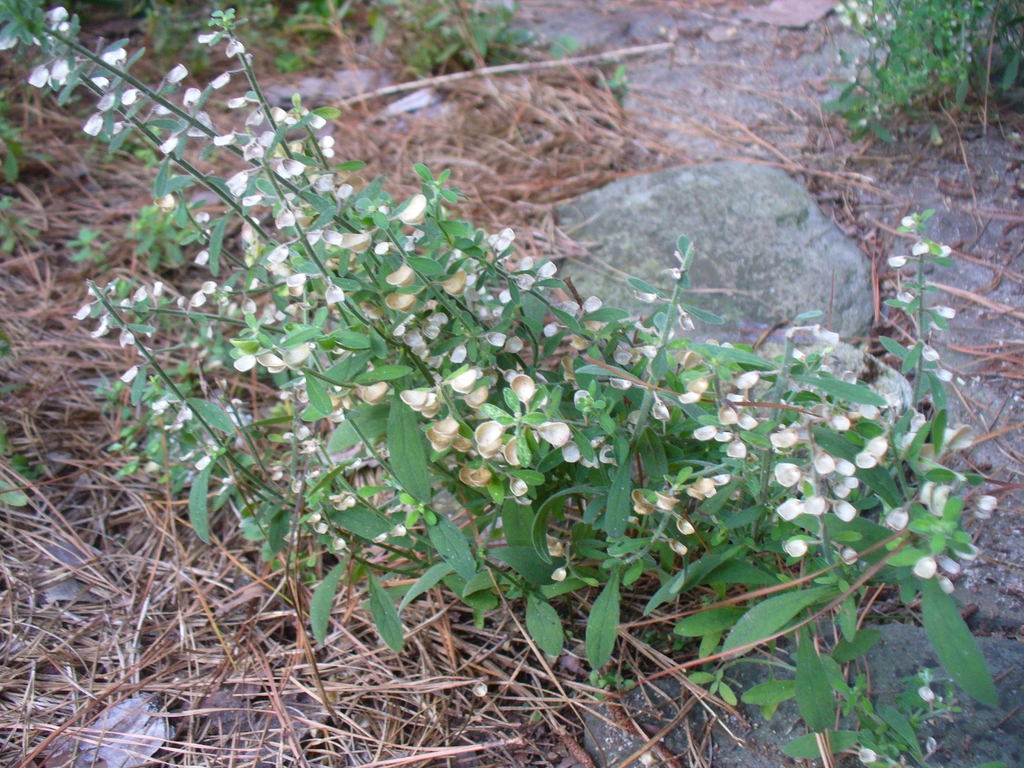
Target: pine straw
(106, 592)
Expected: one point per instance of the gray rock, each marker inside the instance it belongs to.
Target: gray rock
(977, 735)
(764, 251)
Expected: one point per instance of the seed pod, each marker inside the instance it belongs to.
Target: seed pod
(475, 478)
(465, 382)
(401, 302)
(524, 388)
(413, 212)
(477, 397)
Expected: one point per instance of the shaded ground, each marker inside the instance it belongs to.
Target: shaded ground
(211, 633)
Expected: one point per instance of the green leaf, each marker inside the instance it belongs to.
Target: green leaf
(197, 501)
(217, 243)
(700, 314)
(707, 622)
(318, 397)
(899, 723)
(526, 561)
(452, 546)
(893, 347)
(162, 176)
(383, 373)
(385, 616)
(617, 512)
(813, 691)
(643, 287)
(603, 626)
(770, 692)
(322, 602)
(848, 651)
(544, 625)
(954, 644)
(806, 747)
(371, 420)
(767, 618)
(211, 414)
(429, 579)
(14, 498)
(408, 451)
(853, 393)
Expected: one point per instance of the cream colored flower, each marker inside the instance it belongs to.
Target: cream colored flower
(787, 475)
(555, 432)
(413, 213)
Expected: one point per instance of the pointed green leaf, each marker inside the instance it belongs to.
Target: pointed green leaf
(813, 692)
(197, 504)
(844, 390)
(848, 651)
(452, 546)
(706, 622)
(322, 602)
(770, 692)
(385, 616)
(617, 513)
(211, 414)
(544, 625)
(429, 579)
(318, 396)
(806, 747)
(408, 451)
(767, 618)
(954, 644)
(603, 626)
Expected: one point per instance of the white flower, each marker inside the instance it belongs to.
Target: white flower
(501, 242)
(845, 511)
(815, 505)
(705, 433)
(245, 363)
(920, 248)
(908, 222)
(114, 58)
(943, 375)
(945, 585)
(465, 381)
(191, 97)
(845, 468)
(129, 96)
(284, 219)
(106, 103)
(202, 258)
(897, 519)
(787, 474)
(824, 464)
(790, 509)
(570, 453)
(840, 423)
(555, 432)
(56, 16)
(784, 439)
(897, 261)
(170, 145)
(177, 74)
(559, 574)
(737, 449)
(795, 547)
(947, 312)
(129, 376)
(220, 81)
(226, 140)
(234, 48)
(237, 103)
(747, 380)
(197, 300)
(414, 211)
(93, 125)
(334, 295)
(866, 460)
(869, 412)
(238, 183)
(869, 756)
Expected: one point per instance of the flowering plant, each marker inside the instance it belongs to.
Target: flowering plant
(439, 414)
